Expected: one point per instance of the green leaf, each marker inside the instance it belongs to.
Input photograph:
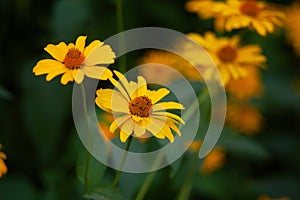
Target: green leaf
(89, 170)
(105, 193)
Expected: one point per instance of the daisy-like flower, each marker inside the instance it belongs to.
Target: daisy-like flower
(236, 14)
(232, 60)
(244, 118)
(252, 81)
(136, 109)
(3, 168)
(254, 14)
(75, 61)
(293, 26)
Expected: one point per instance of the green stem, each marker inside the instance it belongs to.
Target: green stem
(117, 177)
(146, 185)
(187, 185)
(120, 28)
(86, 175)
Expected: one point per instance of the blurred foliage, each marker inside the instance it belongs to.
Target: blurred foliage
(40, 139)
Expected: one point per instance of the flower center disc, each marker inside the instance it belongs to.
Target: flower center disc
(140, 106)
(74, 58)
(249, 8)
(227, 54)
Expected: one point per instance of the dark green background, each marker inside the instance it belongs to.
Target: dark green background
(36, 123)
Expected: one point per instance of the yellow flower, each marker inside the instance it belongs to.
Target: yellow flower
(254, 14)
(3, 168)
(167, 59)
(266, 197)
(75, 61)
(244, 118)
(213, 161)
(137, 111)
(235, 14)
(207, 9)
(246, 87)
(232, 60)
(293, 26)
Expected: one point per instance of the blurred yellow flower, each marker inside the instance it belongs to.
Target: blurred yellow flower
(3, 168)
(246, 87)
(136, 110)
(266, 197)
(213, 161)
(167, 59)
(75, 61)
(232, 60)
(235, 14)
(106, 119)
(207, 9)
(293, 26)
(244, 118)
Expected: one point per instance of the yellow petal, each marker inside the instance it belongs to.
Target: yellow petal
(138, 130)
(100, 55)
(123, 136)
(157, 95)
(80, 43)
(174, 127)
(120, 88)
(2, 156)
(260, 29)
(166, 130)
(79, 76)
(127, 126)
(118, 122)
(167, 105)
(155, 126)
(95, 72)
(46, 66)
(112, 100)
(91, 47)
(170, 115)
(129, 88)
(57, 51)
(68, 76)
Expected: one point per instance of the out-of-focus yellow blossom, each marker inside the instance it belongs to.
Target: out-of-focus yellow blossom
(232, 60)
(235, 14)
(246, 87)
(136, 109)
(75, 61)
(207, 9)
(167, 59)
(3, 167)
(213, 161)
(104, 123)
(266, 197)
(293, 26)
(244, 118)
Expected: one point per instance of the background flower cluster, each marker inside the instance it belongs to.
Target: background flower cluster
(257, 156)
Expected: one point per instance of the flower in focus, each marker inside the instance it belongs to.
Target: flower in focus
(232, 60)
(244, 118)
(167, 59)
(137, 111)
(3, 168)
(75, 60)
(266, 197)
(252, 83)
(213, 161)
(293, 26)
(235, 14)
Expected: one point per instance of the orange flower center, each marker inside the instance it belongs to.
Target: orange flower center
(250, 8)
(227, 54)
(74, 58)
(140, 106)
